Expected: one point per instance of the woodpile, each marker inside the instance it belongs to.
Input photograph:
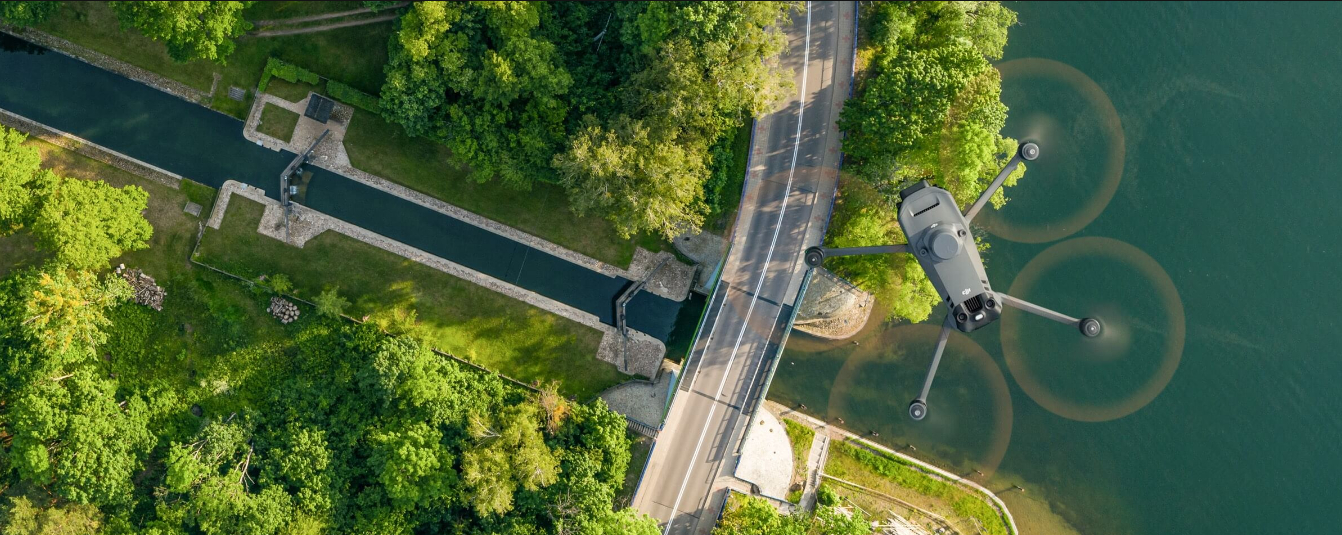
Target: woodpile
(147, 292)
(282, 309)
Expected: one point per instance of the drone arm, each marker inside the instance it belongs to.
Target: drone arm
(1028, 151)
(875, 249)
(936, 358)
(1037, 310)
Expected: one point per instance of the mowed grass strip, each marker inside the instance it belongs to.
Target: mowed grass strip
(277, 122)
(456, 316)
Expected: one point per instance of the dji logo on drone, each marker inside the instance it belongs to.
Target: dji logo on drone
(966, 292)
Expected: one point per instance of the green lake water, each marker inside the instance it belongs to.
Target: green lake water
(1211, 404)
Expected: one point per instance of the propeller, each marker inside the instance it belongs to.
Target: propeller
(1068, 113)
(1133, 356)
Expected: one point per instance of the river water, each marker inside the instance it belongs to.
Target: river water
(1187, 195)
(208, 147)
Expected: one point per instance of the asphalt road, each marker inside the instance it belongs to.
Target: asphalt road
(785, 207)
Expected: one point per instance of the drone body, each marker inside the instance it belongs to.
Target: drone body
(939, 237)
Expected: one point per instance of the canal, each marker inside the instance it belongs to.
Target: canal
(208, 147)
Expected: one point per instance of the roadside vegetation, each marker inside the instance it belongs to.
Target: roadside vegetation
(747, 515)
(210, 416)
(926, 106)
(890, 477)
(800, 437)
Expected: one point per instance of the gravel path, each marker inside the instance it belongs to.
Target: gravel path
(324, 16)
(325, 27)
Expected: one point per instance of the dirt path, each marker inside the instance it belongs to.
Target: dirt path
(324, 27)
(324, 16)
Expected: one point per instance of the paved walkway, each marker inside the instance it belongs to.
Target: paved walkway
(766, 457)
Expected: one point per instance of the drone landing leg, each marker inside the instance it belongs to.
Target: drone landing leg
(1090, 327)
(918, 408)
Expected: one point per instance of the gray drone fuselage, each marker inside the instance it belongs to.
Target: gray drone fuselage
(940, 238)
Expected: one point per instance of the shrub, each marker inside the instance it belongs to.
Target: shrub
(287, 72)
(352, 96)
(826, 496)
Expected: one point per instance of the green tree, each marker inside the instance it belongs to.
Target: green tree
(88, 222)
(24, 14)
(24, 518)
(191, 30)
(749, 515)
(479, 77)
(509, 453)
(625, 522)
(65, 311)
(84, 222)
(280, 283)
(640, 180)
(74, 435)
(414, 467)
(19, 168)
(330, 303)
(303, 467)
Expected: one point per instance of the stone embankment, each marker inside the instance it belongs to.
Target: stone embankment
(833, 308)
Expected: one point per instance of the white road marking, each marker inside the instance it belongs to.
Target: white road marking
(787, 194)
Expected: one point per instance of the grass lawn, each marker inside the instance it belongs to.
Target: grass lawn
(458, 317)
(384, 149)
(800, 436)
(277, 122)
(353, 55)
(891, 476)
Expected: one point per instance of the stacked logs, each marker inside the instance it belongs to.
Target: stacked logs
(282, 310)
(147, 292)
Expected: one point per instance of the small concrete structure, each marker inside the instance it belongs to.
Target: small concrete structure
(766, 457)
(237, 93)
(193, 208)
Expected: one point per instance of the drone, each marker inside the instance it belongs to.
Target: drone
(940, 238)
